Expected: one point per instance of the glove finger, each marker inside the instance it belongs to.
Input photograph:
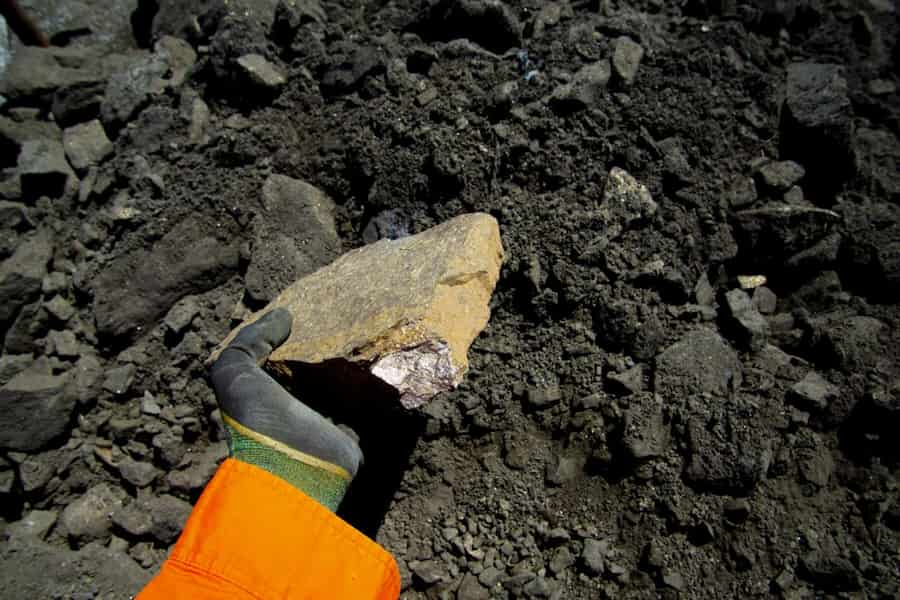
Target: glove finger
(258, 339)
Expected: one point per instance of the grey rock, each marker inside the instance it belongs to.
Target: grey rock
(179, 57)
(562, 469)
(35, 411)
(751, 327)
(742, 193)
(137, 473)
(35, 569)
(388, 224)
(182, 314)
(853, 343)
(781, 176)
(194, 478)
(60, 308)
(261, 73)
(765, 300)
(673, 579)
(44, 171)
(517, 450)
(351, 72)
(35, 73)
(118, 380)
(816, 467)
(561, 560)
(471, 589)
(86, 145)
(819, 256)
(538, 587)
(36, 524)
(134, 519)
(22, 275)
(12, 364)
(539, 398)
(675, 161)
(726, 457)
(594, 555)
(89, 517)
(130, 90)
(775, 232)
(628, 382)
(35, 473)
(816, 124)
(149, 405)
(814, 392)
(428, 572)
(489, 23)
(137, 288)
(77, 103)
(293, 236)
(87, 374)
(169, 516)
(31, 324)
(627, 56)
(701, 362)
(63, 344)
(625, 203)
(490, 577)
(584, 90)
(200, 114)
(645, 433)
(829, 572)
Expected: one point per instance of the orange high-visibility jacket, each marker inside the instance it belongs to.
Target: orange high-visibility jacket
(254, 536)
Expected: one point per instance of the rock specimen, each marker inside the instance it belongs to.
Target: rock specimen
(405, 310)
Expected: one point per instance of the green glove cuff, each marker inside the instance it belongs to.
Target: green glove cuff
(322, 481)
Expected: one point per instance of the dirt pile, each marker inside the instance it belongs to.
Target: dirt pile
(690, 383)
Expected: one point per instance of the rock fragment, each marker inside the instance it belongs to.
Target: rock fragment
(86, 145)
(771, 234)
(645, 433)
(751, 327)
(701, 362)
(625, 202)
(89, 517)
(405, 311)
(293, 235)
(781, 176)
(44, 171)
(35, 410)
(816, 123)
(22, 275)
(725, 456)
(627, 56)
(585, 88)
(814, 392)
(489, 23)
(35, 524)
(261, 73)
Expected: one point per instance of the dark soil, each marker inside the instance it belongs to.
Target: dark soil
(634, 423)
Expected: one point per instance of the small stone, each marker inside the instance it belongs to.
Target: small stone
(585, 88)
(829, 573)
(428, 572)
(89, 516)
(149, 406)
(35, 524)
(88, 372)
(63, 344)
(794, 196)
(60, 308)
(44, 171)
(593, 556)
(644, 432)
(138, 474)
(781, 176)
(118, 380)
(180, 316)
(814, 392)
(701, 362)
(628, 382)
(563, 469)
(562, 559)
(412, 333)
(627, 55)
(752, 327)
(86, 145)
(540, 398)
(673, 579)
(765, 300)
(261, 72)
(490, 577)
(133, 519)
(742, 192)
(471, 589)
(882, 87)
(35, 474)
(199, 122)
(625, 202)
(35, 410)
(193, 479)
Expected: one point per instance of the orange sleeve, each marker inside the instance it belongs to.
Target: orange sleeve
(254, 536)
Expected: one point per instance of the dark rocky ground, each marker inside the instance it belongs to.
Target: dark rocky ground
(634, 424)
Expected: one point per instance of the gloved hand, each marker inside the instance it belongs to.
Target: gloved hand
(271, 429)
